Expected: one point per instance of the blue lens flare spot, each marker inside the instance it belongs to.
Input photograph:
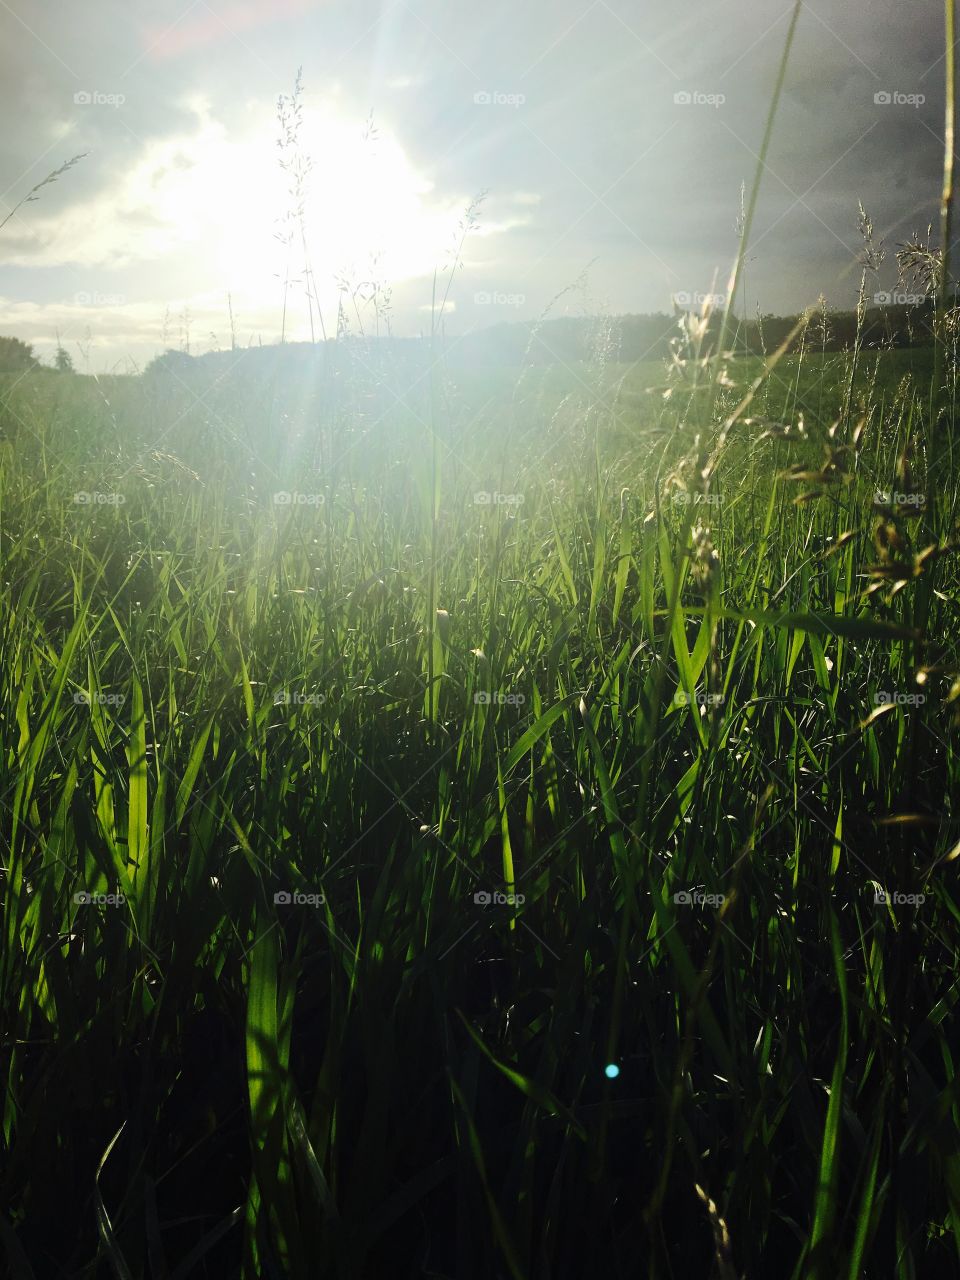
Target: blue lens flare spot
(611, 1071)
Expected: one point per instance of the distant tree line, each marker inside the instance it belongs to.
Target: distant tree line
(632, 338)
(566, 338)
(574, 338)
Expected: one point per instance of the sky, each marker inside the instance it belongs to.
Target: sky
(609, 142)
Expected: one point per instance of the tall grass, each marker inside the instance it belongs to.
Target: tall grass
(583, 795)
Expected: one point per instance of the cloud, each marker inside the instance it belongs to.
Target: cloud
(404, 82)
(153, 207)
(180, 193)
(197, 32)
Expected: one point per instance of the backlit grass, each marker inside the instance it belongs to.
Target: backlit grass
(616, 681)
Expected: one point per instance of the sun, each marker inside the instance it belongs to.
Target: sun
(366, 212)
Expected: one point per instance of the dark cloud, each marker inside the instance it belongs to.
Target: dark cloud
(582, 114)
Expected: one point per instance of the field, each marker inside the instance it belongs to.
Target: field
(492, 826)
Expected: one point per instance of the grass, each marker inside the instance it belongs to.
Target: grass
(644, 684)
(469, 827)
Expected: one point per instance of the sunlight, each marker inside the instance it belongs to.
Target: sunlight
(368, 213)
(481, 761)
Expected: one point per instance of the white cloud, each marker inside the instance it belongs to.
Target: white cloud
(219, 198)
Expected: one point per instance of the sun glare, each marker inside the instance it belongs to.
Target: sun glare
(368, 213)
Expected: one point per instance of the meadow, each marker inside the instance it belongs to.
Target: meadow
(486, 822)
(481, 825)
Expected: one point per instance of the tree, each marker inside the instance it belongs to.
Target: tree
(62, 361)
(16, 356)
(171, 362)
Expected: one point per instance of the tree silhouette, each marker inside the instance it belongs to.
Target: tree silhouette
(16, 356)
(62, 361)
